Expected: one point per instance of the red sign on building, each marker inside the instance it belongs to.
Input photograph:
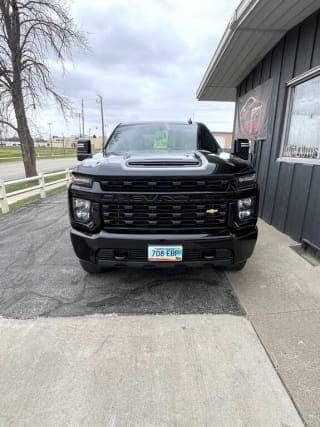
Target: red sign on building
(253, 112)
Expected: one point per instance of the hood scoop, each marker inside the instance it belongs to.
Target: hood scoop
(187, 160)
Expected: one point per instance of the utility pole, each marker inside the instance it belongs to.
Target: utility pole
(79, 118)
(82, 112)
(50, 135)
(102, 118)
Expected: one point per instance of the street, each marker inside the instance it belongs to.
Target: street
(153, 347)
(15, 170)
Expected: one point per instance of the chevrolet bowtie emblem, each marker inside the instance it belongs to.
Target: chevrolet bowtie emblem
(212, 211)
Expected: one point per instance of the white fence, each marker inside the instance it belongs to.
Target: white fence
(8, 198)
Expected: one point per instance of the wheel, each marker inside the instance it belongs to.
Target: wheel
(236, 267)
(90, 267)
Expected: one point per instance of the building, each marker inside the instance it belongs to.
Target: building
(268, 61)
(10, 142)
(71, 142)
(224, 139)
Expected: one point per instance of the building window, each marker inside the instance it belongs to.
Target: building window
(301, 139)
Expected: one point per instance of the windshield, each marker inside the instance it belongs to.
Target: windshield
(153, 137)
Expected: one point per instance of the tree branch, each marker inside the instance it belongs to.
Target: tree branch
(4, 122)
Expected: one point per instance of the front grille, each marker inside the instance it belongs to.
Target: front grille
(166, 185)
(172, 217)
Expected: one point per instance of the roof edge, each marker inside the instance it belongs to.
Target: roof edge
(241, 12)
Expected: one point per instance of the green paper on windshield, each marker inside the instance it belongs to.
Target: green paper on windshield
(161, 140)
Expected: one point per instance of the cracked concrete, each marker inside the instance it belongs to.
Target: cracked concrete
(41, 276)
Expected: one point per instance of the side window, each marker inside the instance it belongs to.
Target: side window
(301, 138)
(207, 141)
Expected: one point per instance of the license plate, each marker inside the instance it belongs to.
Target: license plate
(165, 253)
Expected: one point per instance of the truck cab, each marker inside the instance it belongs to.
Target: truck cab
(162, 194)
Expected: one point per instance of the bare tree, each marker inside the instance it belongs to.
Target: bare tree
(32, 33)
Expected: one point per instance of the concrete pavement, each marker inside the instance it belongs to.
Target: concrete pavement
(186, 370)
(280, 292)
(14, 170)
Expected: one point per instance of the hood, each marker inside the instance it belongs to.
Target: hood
(163, 164)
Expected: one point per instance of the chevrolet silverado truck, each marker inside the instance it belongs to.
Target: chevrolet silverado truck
(162, 194)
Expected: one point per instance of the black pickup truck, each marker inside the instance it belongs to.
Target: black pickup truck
(162, 194)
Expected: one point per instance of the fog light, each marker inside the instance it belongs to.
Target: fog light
(245, 214)
(244, 203)
(81, 209)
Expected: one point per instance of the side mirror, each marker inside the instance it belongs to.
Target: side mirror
(241, 148)
(84, 149)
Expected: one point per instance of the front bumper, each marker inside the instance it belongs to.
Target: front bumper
(109, 249)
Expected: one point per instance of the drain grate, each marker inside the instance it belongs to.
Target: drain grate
(310, 255)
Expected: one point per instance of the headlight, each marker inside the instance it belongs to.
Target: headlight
(85, 181)
(81, 209)
(247, 179)
(245, 203)
(245, 208)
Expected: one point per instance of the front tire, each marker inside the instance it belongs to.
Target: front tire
(90, 267)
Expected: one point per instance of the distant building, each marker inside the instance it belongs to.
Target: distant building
(11, 143)
(224, 139)
(71, 142)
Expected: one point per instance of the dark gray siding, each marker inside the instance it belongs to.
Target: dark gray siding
(290, 193)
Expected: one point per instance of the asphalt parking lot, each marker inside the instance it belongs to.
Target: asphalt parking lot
(40, 275)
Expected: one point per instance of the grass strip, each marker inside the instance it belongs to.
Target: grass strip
(42, 153)
(33, 199)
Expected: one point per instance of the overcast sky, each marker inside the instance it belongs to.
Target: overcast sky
(147, 59)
